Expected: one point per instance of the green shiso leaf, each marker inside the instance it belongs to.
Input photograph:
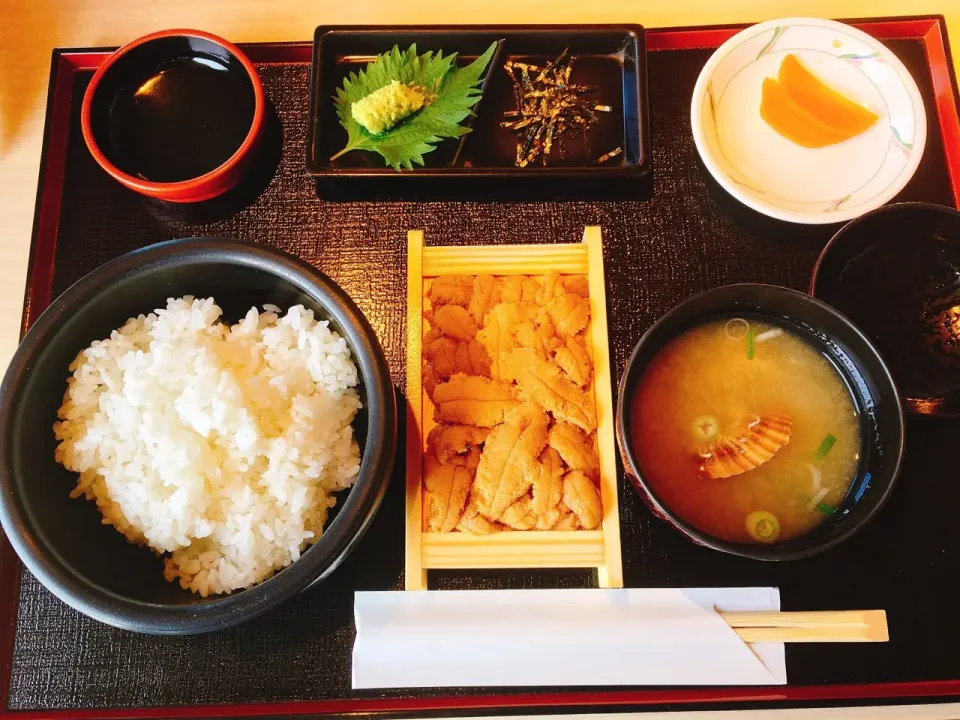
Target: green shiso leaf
(452, 92)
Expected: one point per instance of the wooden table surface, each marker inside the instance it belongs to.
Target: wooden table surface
(30, 29)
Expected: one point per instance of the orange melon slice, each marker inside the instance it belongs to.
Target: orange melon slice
(805, 110)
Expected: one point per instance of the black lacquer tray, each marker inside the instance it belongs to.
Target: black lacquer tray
(689, 237)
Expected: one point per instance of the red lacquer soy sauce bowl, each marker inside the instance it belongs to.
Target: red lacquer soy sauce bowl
(176, 115)
(849, 351)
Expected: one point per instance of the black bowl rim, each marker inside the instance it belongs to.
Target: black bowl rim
(755, 552)
(214, 612)
(914, 405)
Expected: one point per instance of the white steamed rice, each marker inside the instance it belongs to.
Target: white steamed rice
(219, 446)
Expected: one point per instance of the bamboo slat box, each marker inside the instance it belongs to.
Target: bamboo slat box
(425, 551)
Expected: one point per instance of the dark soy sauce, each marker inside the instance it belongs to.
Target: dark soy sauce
(185, 119)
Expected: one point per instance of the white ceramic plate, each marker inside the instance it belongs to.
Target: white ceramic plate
(779, 178)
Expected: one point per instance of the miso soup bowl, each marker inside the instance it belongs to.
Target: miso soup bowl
(851, 353)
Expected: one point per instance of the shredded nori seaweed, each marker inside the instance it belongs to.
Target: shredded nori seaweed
(549, 107)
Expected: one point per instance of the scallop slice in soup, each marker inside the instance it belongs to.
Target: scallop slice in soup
(727, 457)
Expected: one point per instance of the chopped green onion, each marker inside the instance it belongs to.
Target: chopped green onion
(736, 328)
(763, 526)
(769, 335)
(817, 499)
(751, 344)
(826, 509)
(828, 442)
(705, 428)
(817, 475)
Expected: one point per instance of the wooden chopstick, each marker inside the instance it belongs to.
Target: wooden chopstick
(829, 626)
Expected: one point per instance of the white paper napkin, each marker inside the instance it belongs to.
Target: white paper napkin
(474, 638)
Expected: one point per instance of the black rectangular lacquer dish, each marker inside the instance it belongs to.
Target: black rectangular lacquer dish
(609, 58)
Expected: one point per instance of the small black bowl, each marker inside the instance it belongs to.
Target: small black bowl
(896, 273)
(62, 541)
(853, 356)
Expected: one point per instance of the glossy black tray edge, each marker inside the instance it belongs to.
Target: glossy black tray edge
(631, 180)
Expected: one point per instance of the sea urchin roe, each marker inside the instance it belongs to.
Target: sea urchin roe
(805, 110)
(384, 108)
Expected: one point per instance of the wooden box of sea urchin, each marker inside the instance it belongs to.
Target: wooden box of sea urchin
(510, 430)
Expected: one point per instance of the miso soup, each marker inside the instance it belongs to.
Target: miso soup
(745, 431)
